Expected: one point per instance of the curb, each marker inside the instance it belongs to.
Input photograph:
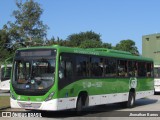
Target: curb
(3, 108)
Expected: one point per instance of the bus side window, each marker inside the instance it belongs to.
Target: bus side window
(132, 69)
(82, 66)
(149, 70)
(110, 67)
(66, 68)
(122, 68)
(61, 69)
(96, 66)
(156, 72)
(69, 69)
(142, 69)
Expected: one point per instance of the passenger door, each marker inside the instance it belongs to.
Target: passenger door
(65, 70)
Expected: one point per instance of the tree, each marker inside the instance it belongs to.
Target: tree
(58, 41)
(107, 45)
(4, 46)
(28, 26)
(90, 44)
(75, 40)
(127, 45)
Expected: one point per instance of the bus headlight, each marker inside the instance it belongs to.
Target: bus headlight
(50, 96)
(12, 95)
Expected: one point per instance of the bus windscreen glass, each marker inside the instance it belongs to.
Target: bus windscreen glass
(34, 70)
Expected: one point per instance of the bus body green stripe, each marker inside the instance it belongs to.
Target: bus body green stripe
(104, 86)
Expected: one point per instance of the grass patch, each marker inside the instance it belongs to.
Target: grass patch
(4, 101)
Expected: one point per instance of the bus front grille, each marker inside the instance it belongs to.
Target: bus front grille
(29, 105)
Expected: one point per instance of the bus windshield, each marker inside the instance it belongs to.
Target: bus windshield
(5, 73)
(33, 72)
(157, 72)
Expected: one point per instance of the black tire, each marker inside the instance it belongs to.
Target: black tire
(130, 103)
(86, 101)
(155, 93)
(79, 105)
(131, 100)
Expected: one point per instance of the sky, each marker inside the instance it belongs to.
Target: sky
(114, 20)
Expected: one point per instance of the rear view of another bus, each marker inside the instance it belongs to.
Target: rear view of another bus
(5, 75)
(157, 78)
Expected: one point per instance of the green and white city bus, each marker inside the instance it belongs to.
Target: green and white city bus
(57, 78)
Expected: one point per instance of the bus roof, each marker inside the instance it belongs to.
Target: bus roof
(93, 51)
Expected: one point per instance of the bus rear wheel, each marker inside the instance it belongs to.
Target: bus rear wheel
(131, 100)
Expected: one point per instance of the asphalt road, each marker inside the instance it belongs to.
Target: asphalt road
(146, 106)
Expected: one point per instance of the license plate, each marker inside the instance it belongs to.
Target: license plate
(28, 105)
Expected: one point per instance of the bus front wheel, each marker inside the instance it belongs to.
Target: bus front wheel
(79, 105)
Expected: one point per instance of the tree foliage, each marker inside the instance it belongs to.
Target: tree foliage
(83, 37)
(27, 26)
(58, 41)
(127, 45)
(88, 39)
(107, 45)
(4, 46)
(90, 44)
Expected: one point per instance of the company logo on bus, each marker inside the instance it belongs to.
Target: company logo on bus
(133, 83)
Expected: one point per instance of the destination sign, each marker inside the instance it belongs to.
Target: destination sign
(35, 53)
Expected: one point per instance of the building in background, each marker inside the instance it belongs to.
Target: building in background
(151, 49)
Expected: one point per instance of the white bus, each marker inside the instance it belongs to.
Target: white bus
(5, 75)
(157, 78)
